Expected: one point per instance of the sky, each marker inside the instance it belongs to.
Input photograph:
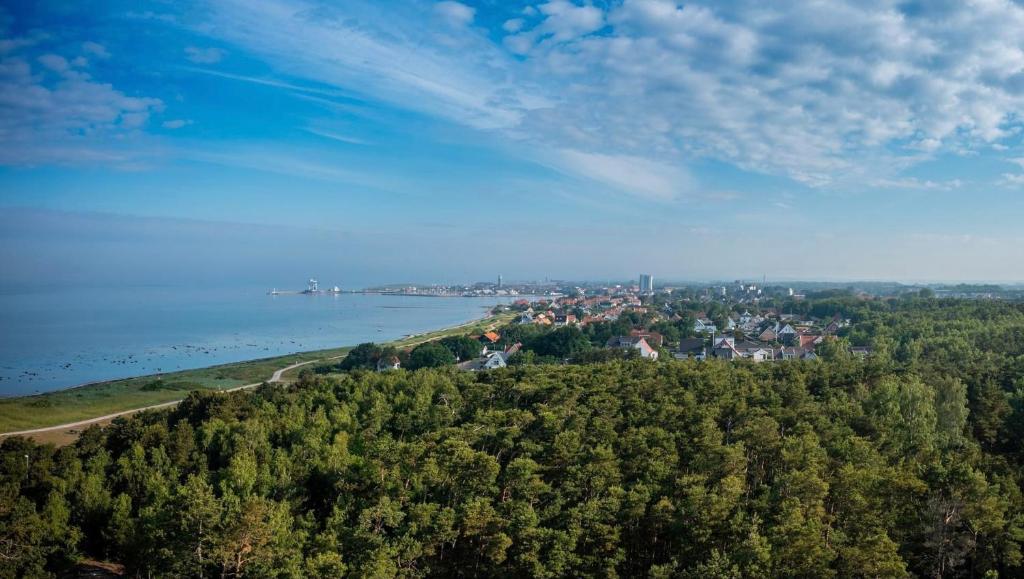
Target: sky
(264, 141)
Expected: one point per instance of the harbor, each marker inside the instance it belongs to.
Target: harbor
(312, 289)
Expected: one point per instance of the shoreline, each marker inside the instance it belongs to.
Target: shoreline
(98, 401)
(225, 365)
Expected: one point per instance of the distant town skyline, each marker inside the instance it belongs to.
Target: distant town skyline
(444, 141)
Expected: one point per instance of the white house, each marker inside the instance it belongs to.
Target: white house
(634, 342)
(388, 363)
(704, 325)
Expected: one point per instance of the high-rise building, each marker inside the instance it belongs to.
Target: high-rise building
(501, 281)
(646, 283)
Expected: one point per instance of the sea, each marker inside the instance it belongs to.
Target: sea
(59, 337)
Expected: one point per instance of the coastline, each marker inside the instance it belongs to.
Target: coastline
(98, 401)
(64, 338)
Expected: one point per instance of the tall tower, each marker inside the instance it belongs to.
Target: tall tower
(646, 283)
(501, 281)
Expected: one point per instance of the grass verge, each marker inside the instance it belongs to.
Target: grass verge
(102, 398)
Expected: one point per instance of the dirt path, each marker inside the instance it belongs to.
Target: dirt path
(276, 377)
(62, 434)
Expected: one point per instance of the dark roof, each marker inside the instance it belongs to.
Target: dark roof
(691, 344)
(748, 345)
(620, 341)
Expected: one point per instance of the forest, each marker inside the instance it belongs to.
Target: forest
(907, 463)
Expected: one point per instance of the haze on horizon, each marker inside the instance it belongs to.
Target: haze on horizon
(267, 140)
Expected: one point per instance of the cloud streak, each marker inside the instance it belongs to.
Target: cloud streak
(829, 94)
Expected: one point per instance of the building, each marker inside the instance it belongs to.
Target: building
(646, 283)
(633, 342)
(694, 348)
(795, 353)
(491, 360)
(653, 338)
(788, 335)
(725, 349)
(565, 320)
(704, 326)
(387, 363)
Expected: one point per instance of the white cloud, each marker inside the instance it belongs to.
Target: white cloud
(455, 13)
(1013, 179)
(95, 49)
(562, 21)
(835, 93)
(913, 183)
(204, 55)
(513, 25)
(390, 58)
(52, 113)
(825, 93)
(54, 62)
(176, 123)
(335, 136)
(633, 175)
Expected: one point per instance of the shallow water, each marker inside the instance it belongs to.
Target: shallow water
(57, 337)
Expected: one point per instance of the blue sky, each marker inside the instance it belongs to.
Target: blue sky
(442, 141)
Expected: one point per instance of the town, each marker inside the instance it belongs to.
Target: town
(569, 323)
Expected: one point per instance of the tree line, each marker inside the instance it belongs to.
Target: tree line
(907, 463)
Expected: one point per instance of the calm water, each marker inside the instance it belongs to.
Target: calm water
(62, 337)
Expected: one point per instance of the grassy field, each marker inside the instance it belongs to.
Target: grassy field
(104, 398)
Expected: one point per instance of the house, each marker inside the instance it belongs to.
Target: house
(787, 335)
(655, 339)
(565, 320)
(491, 360)
(808, 339)
(753, 350)
(726, 350)
(633, 342)
(794, 353)
(386, 363)
(759, 354)
(694, 348)
(746, 317)
(704, 325)
(487, 340)
(525, 318)
(770, 334)
(495, 360)
(860, 351)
